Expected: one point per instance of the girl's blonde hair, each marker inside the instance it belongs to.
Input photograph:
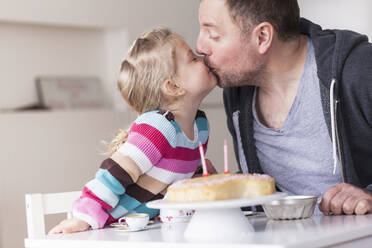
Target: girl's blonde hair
(150, 62)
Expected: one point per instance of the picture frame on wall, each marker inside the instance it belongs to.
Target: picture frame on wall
(71, 93)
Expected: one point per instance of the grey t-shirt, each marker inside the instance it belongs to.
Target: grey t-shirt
(299, 156)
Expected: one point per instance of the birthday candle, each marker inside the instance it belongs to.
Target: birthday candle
(226, 163)
(204, 165)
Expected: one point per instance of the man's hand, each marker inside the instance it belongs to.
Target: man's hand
(70, 226)
(346, 198)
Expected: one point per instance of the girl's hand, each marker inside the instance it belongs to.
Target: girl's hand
(70, 226)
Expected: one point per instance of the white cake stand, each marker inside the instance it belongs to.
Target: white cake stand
(218, 220)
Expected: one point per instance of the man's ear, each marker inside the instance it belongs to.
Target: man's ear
(172, 88)
(263, 35)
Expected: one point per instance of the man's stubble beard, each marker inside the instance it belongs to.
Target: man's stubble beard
(254, 76)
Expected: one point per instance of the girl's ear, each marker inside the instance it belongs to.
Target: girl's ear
(172, 88)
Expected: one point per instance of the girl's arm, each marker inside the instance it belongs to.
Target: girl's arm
(114, 189)
(105, 191)
(90, 208)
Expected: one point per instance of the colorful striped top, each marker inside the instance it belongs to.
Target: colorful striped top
(162, 154)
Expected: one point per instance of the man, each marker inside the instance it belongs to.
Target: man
(298, 98)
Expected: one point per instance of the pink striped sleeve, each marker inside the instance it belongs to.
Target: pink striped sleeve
(90, 211)
(89, 194)
(150, 141)
(150, 148)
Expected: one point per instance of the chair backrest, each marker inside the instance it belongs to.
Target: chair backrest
(38, 205)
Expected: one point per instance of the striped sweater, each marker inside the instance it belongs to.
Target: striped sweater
(162, 155)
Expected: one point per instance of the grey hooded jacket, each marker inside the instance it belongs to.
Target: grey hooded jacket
(344, 63)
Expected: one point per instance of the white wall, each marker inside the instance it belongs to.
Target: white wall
(28, 51)
(88, 13)
(340, 14)
(79, 38)
(98, 13)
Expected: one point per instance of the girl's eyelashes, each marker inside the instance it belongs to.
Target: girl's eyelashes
(194, 57)
(215, 37)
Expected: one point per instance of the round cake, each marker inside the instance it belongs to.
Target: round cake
(221, 187)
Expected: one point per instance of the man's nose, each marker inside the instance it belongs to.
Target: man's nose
(201, 47)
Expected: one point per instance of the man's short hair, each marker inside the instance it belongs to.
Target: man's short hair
(284, 15)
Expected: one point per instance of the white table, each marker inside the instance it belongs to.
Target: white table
(318, 231)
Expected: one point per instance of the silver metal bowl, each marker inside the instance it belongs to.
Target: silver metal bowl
(291, 207)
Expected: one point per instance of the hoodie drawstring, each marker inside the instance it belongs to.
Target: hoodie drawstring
(333, 127)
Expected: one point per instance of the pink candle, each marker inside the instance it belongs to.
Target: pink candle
(226, 163)
(204, 165)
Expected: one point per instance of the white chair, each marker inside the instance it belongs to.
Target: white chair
(38, 205)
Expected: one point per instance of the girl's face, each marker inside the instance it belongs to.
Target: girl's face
(194, 76)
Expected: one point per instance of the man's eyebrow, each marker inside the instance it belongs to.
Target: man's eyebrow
(209, 24)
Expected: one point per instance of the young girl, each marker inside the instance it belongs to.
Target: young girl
(165, 82)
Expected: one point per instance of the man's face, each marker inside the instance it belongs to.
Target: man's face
(230, 55)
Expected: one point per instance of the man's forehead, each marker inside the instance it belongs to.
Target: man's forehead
(212, 13)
